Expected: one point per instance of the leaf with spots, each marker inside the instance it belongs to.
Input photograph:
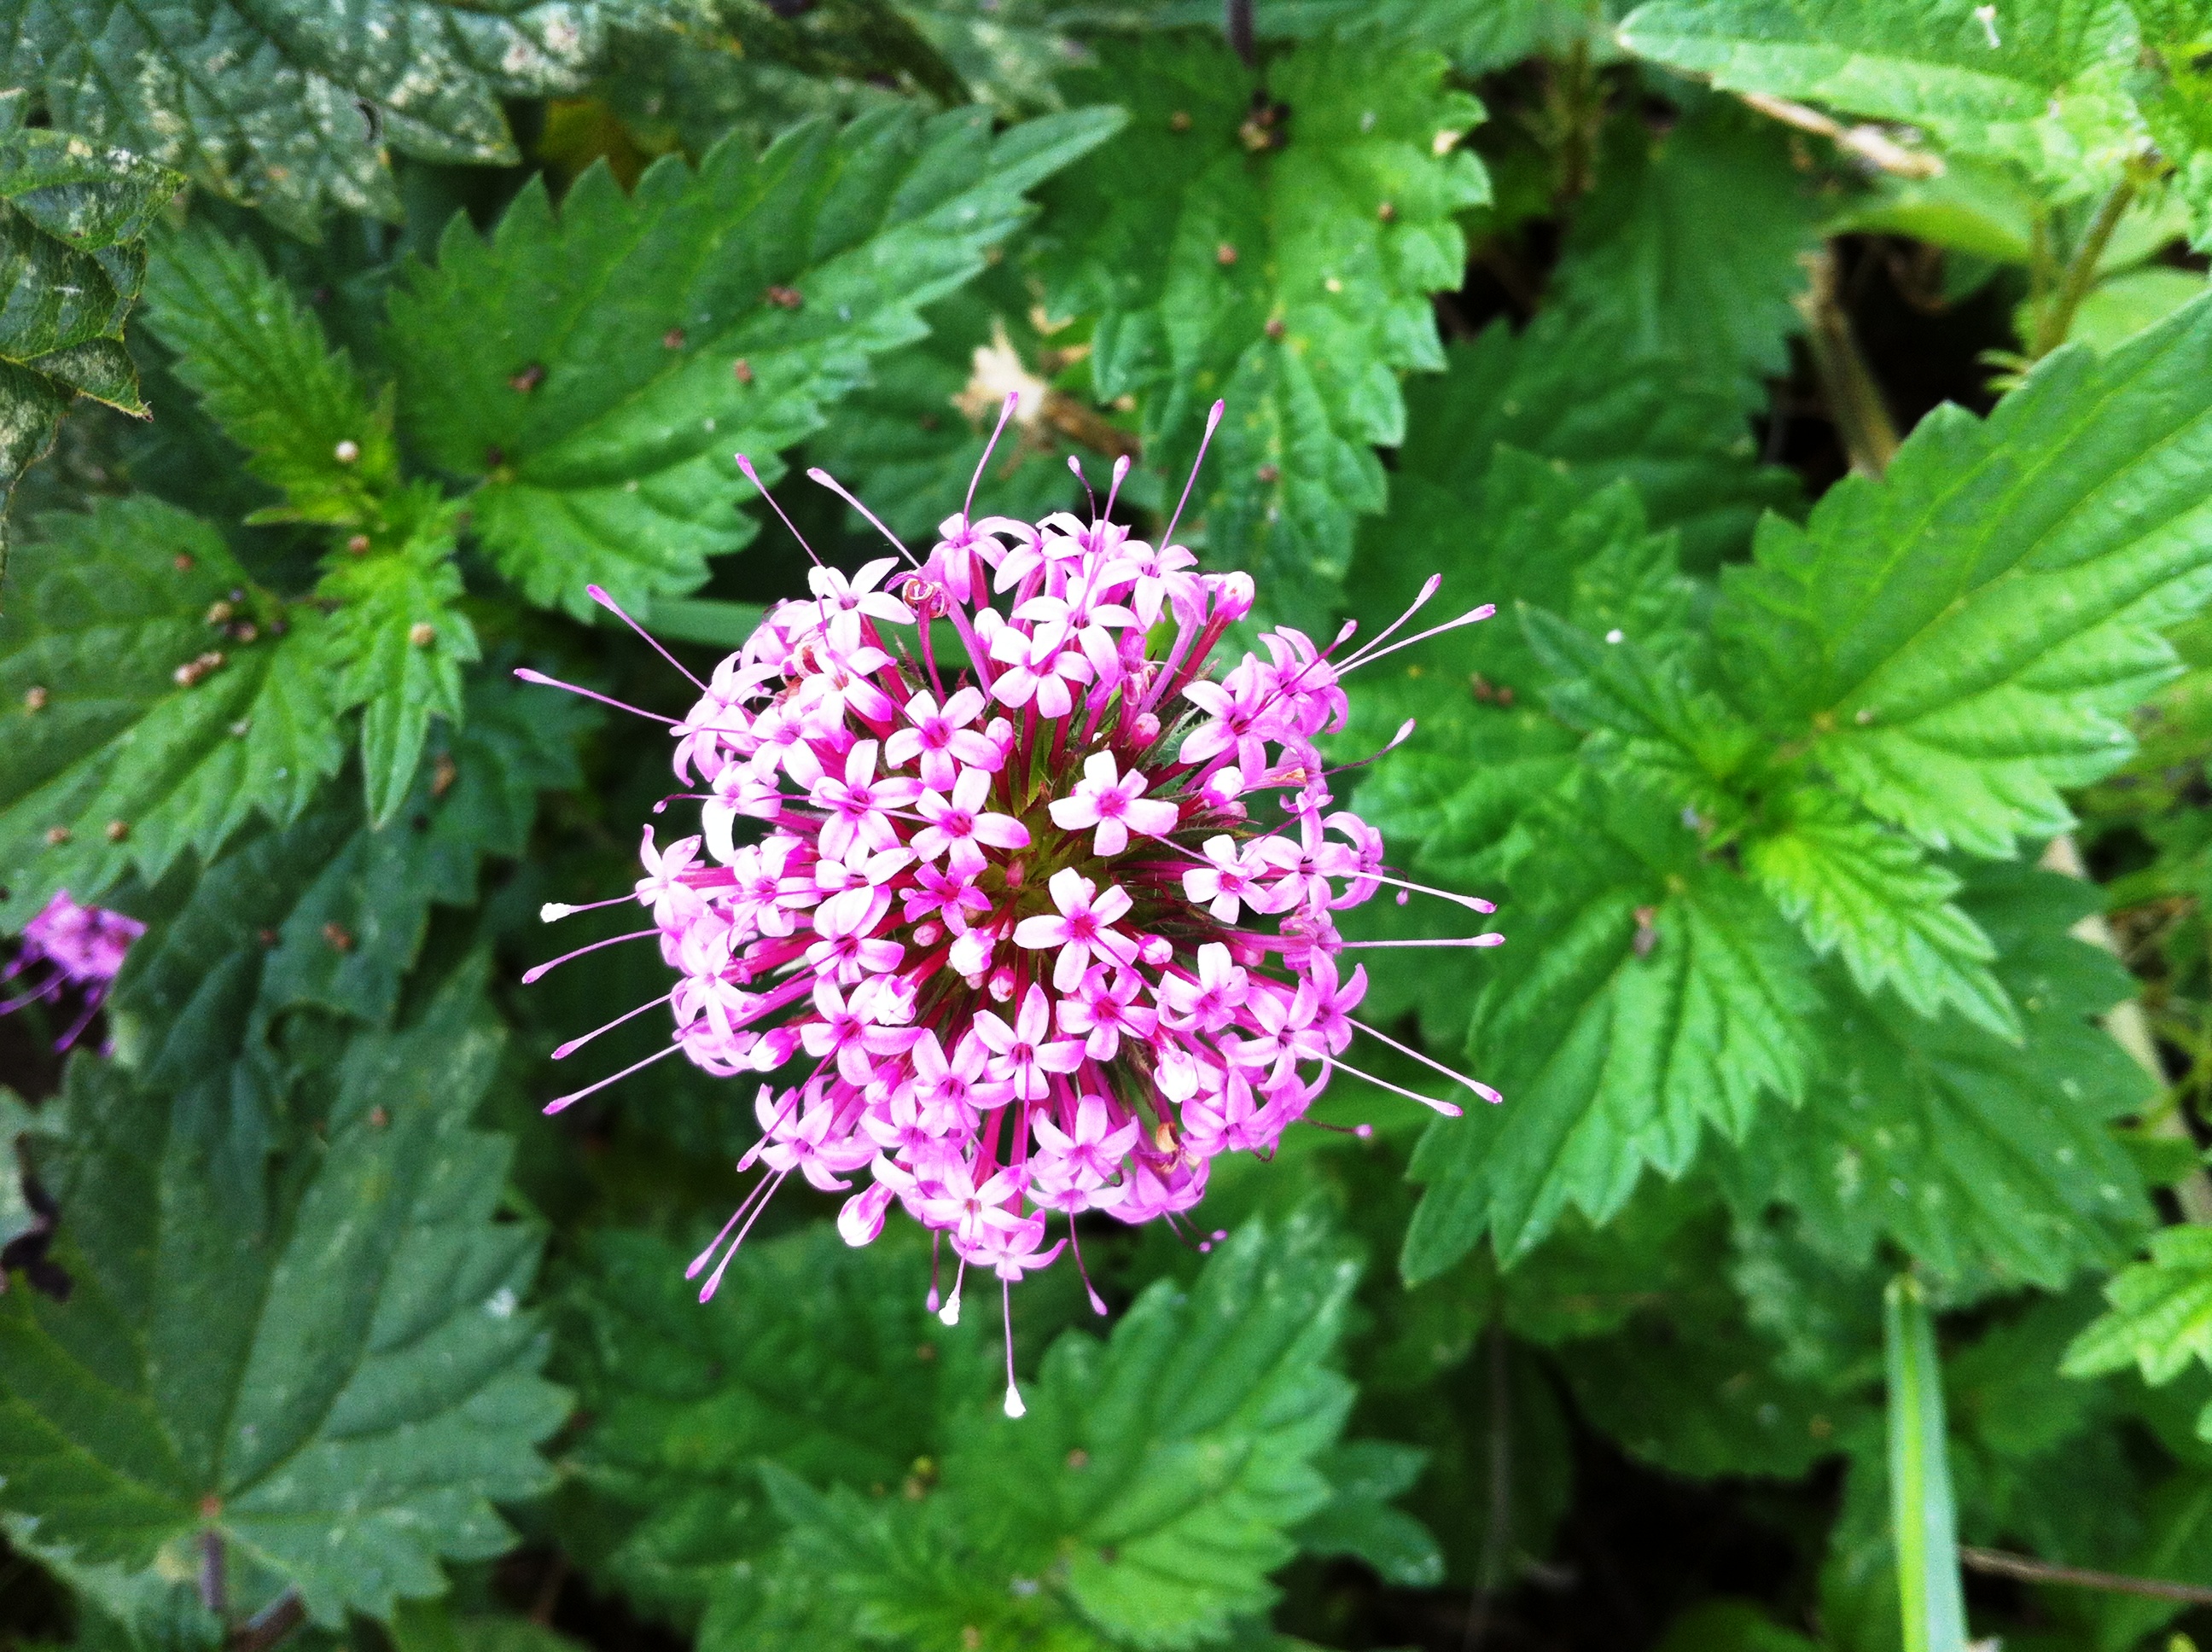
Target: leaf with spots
(1279, 254)
(289, 106)
(155, 700)
(593, 370)
(340, 1392)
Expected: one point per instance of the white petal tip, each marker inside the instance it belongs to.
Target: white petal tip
(553, 912)
(950, 1314)
(1014, 1406)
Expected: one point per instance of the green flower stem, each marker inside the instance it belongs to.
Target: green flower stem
(1921, 1512)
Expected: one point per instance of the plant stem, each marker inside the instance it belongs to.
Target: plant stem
(2054, 323)
(1847, 384)
(1922, 1515)
(1498, 1542)
(2001, 1564)
(268, 1625)
(214, 1593)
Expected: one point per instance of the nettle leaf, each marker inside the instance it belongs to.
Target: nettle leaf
(73, 216)
(813, 1355)
(260, 363)
(1367, 1475)
(1661, 993)
(288, 106)
(1871, 894)
(397, 643)
(1689, 247)
(1673, 427)
(597, 367)
(2173, 87)
(1158, 1476)
(1955, 643)
(1976, 1154)
(2161, 1317)
(2041, 86)
(1280, 256)
(329, 912)
(156, 702)
(340, 1395)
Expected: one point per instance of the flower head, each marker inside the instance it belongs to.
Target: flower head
(79, 948)
(1043, 930)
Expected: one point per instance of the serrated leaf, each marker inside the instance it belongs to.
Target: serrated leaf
(818, 1357)
(395, 643)
(288, 106)
(1357, 1519)
(1872, 896)
(260, 364)
(2172, 86)
(1689, 248)
(2040, 86)
(1978, 1155)
(597, 368)
(72, 221)
(1662, 993)
(1558, 390)
(1166, 1467)
(164, 722)
(1955, 643)
(2161, 1312)
(328, 911)
(1285, 267)
(342, 1395)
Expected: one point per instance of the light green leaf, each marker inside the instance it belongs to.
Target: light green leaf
(1689, 249)
(396, 644)
(288, 106)
(1166, 1469)
(342, 1395)
(2040, 86)
(1859, 889)
(2161, 1312)
(72, 220)
(597, 367)
(1284, 267)
(1981, 1157)
(1660, 994)
(2173, 85)
(261, 366)
(1922, 1517)
(154, 703)
(1955, 643)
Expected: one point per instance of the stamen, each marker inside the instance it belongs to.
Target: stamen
(1430, 587)
(1481, 1089)
(559, 1102)
(536, 972)
(1076, 466)
(950, 1312)
(1212, 421)
(1014, 1406)
(1075, 1247)
(1473, 616)
(543, 681)
(608, 603)
(937, 1235)
(1491, 939)
(823, 478)
(744, 1204)
(1005, 411)
(1448, 1109)
(554, 911)
(563, 1051)
(746, 465)
(715, 1279)
(1471, 903)
(1120, 471)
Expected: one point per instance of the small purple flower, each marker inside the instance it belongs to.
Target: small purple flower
(82, 949)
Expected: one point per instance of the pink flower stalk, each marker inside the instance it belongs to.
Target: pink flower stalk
(82, 947)
(1039, 932)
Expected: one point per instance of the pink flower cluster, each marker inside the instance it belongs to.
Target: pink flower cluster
(1041, 934)
(82, 947)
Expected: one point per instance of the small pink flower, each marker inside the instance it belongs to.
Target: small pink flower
(1021, 1054)
(960, 826)
(1114, 804)
(943, 739)
(1081, 929)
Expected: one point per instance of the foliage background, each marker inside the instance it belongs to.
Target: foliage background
(1824, 392)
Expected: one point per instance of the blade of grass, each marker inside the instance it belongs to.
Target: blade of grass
(1921, 1511)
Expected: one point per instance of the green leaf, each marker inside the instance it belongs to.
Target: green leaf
(155, 702)
(1921, 1513)
(2172, 86)
(1689, 249)
(1166, 1469)
(2040, 86)
(1284, 267)
(597, 367)
(1978, 1155)
(1730, 1626)
(1871, 894)
(72, 221)
(341, 1395)
(814, 1355)
(1673, 427)
(2161, 1312)
(287, 106)
(396, 644)
(1357, 1519)
(259, 362)
(1955, 643)
(1662, 993)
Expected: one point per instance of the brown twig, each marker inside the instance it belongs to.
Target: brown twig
(2001, 1564)
(1871, 144)
(1498, 1542)
(215, 1592)
(268, 1625)
(1847, 384)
